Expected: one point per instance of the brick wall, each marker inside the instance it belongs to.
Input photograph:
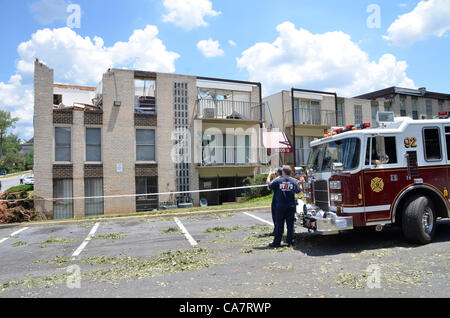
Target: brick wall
(62, 116)
(62, 172)
(146, 170)
(93, 117)
(43, 136)
(142, 120)
(93, 171)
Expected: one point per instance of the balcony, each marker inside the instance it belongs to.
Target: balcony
(233, 156)
(311, 117)
(228, 110)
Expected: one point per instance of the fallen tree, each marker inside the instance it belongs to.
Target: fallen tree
(17, 205)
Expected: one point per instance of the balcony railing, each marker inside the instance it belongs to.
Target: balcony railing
(315, 117)
(226, 109)
(145, 104)
(233, 156)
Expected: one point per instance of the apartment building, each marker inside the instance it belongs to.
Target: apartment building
(414, 103)
(305, 114)
(138, 133)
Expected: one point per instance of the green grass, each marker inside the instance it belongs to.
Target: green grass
(20, 188)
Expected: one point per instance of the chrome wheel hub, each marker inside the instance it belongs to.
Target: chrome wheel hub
(427, 220)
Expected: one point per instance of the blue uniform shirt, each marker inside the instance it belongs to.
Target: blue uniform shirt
(284, 190)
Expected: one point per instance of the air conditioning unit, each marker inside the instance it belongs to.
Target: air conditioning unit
(209, 112)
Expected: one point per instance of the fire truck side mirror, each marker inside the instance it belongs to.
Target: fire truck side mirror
(338, 166)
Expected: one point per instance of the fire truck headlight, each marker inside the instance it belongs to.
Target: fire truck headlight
(335, 185)
(306, 185)
(307, 195)
(336, 197)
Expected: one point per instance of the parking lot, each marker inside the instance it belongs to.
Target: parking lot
(216, 255)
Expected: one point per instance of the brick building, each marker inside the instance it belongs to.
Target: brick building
(315, 112)
(142, 132)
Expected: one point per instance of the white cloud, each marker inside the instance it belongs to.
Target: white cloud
(79, 60)
(427, 19)
(49, 11)
(232, 43)
(330, 61)
(188, 14)
(210, 48)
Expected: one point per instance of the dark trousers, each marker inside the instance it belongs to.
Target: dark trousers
(273, 213)
(283, 215)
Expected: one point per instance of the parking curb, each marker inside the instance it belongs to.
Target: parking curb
(131, 217)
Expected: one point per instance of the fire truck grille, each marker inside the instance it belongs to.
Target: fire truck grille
(321, 194)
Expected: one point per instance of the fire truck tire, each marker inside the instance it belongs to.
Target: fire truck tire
(419, 220)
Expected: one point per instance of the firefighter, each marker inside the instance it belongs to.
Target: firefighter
(273, 207)
(284, 189)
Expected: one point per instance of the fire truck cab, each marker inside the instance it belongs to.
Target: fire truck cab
(395, 173)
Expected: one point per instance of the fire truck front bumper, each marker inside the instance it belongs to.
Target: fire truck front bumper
(323, 222)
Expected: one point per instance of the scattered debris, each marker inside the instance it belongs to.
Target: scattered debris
(110, 236)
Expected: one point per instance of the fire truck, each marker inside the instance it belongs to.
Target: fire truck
(396, 172)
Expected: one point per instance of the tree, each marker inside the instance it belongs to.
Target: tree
(12, 162)
(6, 122)
(29, 160)
(11, 143)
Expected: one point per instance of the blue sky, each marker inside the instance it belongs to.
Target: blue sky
(346, 60)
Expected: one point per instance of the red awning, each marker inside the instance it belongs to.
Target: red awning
(276, 140)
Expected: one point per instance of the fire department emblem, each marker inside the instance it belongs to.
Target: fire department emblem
(377, 184)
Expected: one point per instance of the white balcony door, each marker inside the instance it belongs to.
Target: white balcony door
(241, 149)
(229, 154)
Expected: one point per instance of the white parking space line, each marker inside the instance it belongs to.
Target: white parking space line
(13, 234)
(258, 218)
(86, 240)
(185, 232)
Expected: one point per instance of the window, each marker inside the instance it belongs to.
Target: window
(63, 145)
(145, 95)
(384, 151)
(402, 106)
(441, 105)
(146, 185)
(429, 104)
(447, 140)
(358, 114)
(93, 144)
(340, 114)
(145, 145)
(302, 149)
(432, 144)
(62, 208)
(345, 151)
(415, 112)
(374, 110)
(57, 99)
(93, 188)
(243, 149)
(387, 108)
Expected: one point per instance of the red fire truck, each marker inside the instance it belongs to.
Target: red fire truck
(395, 173)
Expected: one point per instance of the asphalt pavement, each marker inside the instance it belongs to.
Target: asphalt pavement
(11, 182)
(217, 255)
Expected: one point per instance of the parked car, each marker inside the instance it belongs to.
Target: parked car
(29, 179)
(3, 173)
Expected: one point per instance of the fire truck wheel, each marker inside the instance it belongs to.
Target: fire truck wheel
(419, 220)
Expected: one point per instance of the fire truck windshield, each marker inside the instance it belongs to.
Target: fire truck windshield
(345, 151)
